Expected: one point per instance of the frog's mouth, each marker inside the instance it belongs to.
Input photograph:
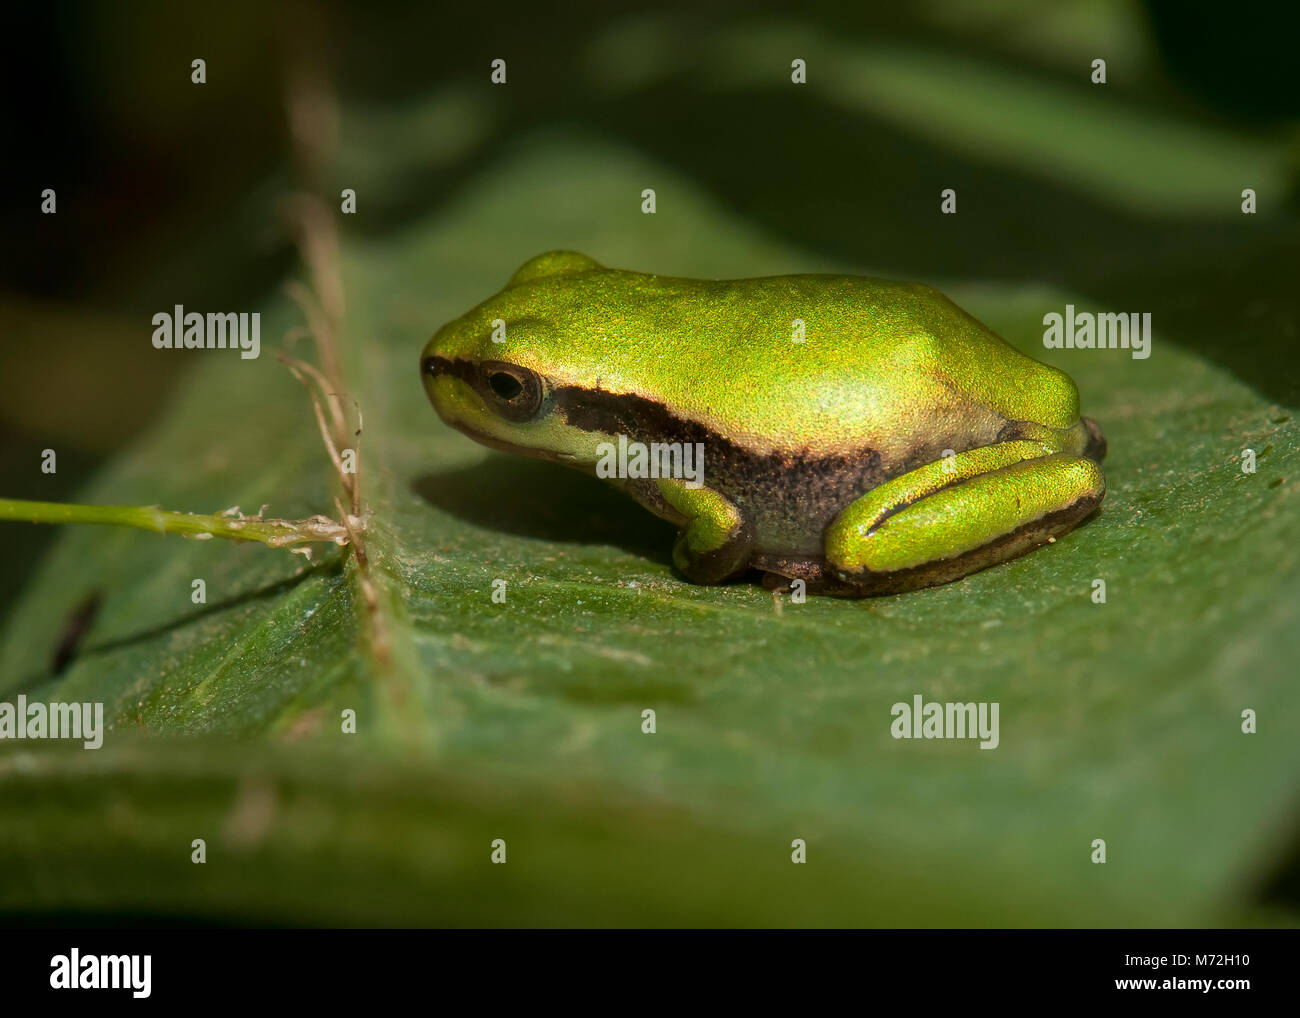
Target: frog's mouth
(1095, 450)
(504, 445)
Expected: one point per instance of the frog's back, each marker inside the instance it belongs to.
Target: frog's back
(806, 364)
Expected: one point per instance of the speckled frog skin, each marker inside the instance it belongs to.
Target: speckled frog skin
(900, 444)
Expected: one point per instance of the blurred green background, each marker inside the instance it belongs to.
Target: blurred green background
(1123, 196)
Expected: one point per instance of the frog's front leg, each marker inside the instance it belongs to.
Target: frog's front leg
(716, 541)
(952, 517)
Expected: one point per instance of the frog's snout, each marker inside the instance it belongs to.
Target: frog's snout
(1096, 448)
(432, 365)
(432, 370)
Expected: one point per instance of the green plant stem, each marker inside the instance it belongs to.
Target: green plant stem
(236, 527)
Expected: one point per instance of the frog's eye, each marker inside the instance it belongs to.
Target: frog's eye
(514, 392)
(505, 385)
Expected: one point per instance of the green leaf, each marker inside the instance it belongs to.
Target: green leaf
(522, 721)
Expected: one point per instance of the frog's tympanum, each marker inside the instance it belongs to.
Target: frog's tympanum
(861, 435)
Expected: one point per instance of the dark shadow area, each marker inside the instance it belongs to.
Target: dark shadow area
(546, 502)
(1281, 889)
(80, 920)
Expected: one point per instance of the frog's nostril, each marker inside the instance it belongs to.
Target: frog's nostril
(429, 365)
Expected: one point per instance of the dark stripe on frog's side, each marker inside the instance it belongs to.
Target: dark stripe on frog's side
(788, 498)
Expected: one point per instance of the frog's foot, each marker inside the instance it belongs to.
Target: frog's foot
(946, 519)
(716, 542)
(1095, 445)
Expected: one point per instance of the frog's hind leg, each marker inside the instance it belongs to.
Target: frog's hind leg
(949, 518)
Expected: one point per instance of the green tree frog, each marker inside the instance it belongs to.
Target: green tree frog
(861, 435)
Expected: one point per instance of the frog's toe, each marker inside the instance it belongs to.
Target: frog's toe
(715, 563)
(1096, 448)
(815, 575)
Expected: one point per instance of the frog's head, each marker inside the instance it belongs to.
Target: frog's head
(492, 373)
